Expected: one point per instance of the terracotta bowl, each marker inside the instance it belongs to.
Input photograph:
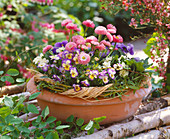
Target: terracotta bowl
(62, 106)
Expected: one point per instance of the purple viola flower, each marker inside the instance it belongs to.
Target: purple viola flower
(77, 87)
(103, 54)
(137, 59)
(64, 54)
(57, 78)
(60, 44)
(61, 69)
(103, 73)
(45, 68)
(77, 50)
(111, 73)
(122, 47)
(91, 53)
(130, 48)
(54, 66)
(85, 83)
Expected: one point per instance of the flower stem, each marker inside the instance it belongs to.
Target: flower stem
(85, 31)
(100, 37)
(71, 34)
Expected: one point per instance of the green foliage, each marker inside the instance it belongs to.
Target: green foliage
(45, 127)
(33, 96)
(9, 76)
(77, 125)
(22, 37)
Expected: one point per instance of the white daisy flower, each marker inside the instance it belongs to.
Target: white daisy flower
(124, 73)
(107, 64)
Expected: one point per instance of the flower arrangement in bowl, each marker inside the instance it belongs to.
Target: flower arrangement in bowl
(88, 71)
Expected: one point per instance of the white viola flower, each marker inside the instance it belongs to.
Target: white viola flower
(124, 73)
(41, 54)
(61, 49)
(108, 59)
(118, 66)
(107, 64)
(99, 67)
(38, 58)
(123, 64)
(121, 57)
(54, 57)
(105, 79)
(40, 65)
(44, 60)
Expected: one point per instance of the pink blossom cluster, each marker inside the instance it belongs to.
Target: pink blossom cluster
(69, 25)
(47, 25)
(79, 42)
(43, 2)
(26, 74)
(158, 53)
(33, 26)
(3, 57)
(153, 12)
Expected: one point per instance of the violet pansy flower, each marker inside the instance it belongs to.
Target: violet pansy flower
(66, 64)
(77, 87)
(73, 72)
(130, 48)
(85, 83)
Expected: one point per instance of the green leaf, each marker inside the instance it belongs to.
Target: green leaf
(41, 137)
(7, 78)
(33, 96)
(70, 118)
(15, 111)
(9, 118)
(52, 125)
(133, 87)
(45, 112)
(1, 72)
(42, 125)
(20, 80)
(38, 119)
(58, 123)
(99, 119)
(89, 125)
(32, 108)
(80, 121)
(13, 72)
(50, 119)
(23, 129)
(16, 121)
(62, 127)
(90, 131)
(65, 136)
(5, 110)
(52, 135)
(96, 125)
(8, 102)
(21, 100)
(10, 128)
(139, 66)
(5, 137)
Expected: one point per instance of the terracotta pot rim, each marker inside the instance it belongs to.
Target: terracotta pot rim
(66, 100)
(88, 102)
